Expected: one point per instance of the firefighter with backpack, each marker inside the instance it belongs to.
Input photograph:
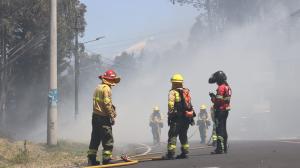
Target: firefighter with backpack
(180, 115)
(221, 101)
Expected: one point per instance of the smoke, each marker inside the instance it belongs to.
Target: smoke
(260, 58)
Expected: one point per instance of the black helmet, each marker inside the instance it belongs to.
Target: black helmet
(219, 77)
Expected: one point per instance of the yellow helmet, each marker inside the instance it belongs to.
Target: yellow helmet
(203, 107)
(156, 108)
(177, 78)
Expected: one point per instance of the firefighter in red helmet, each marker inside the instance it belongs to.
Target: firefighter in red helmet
(221, 101)
(104, 114)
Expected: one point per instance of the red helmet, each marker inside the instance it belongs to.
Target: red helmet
(110, 75)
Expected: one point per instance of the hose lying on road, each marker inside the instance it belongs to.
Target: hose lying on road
(130, 162)
(146, 156)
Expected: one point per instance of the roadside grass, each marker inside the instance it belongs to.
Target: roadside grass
(27, 154)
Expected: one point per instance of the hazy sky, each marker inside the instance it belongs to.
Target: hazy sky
(124, 23)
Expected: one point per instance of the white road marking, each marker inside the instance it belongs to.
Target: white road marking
(295, 142)
(145, 153)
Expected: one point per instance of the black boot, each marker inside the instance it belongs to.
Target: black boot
(92, 160)
(107, 161)
(182, 156)
(168, 156)
(219, 149)
(225, 145)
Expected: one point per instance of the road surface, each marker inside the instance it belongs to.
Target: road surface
(242, 154)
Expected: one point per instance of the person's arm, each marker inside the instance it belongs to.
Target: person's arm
(108, 105)
(171, 102)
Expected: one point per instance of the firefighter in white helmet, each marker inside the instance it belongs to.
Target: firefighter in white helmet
(156, 123)
(203, 123)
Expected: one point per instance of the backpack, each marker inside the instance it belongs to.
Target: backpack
(186, 104)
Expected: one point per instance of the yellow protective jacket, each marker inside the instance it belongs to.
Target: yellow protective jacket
(102, 102)
(174, 97)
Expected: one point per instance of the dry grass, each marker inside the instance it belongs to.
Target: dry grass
(24, 154)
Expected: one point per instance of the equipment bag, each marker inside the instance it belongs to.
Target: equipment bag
(186, 104)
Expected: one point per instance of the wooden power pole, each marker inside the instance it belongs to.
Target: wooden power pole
(53, 95)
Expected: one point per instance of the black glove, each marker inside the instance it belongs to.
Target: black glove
(212, 95)
(112, 121)
(192, 122)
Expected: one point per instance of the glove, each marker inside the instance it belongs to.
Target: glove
(112, 121)
(212, 95)
(192, 122)
(114, 111)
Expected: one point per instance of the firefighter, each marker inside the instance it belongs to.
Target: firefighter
(221, 101)
(156, 124)
(180, 116)
(104, 114)
(203, 123)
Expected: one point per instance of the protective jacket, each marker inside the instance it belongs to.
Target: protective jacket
(222, 99)
(155, 117)
(173, 99)
(102, 101)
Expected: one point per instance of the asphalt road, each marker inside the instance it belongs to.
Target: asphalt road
(242, 154)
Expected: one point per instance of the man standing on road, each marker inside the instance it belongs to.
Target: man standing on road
(104, 114)
(156, 124)
(221, 101)
(180, 116)
(203, 123)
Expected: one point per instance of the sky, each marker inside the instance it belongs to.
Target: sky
(125, 23)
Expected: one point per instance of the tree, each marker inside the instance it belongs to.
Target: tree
(24, 54)
(125, 64)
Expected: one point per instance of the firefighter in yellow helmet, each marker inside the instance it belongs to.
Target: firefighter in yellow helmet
(156, 123)
(180, 116)
(203, 123)
(104, 114)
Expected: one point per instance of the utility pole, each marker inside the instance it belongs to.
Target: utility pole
(52, 95)
(77, 63)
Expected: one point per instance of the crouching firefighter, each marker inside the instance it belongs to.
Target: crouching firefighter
(104, 114)
(180, 115)
(221, 101)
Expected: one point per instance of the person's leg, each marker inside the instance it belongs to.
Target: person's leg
(95, 141)
(221, 131)
(107, 143)
(202, 134)
(220, 140)
(184, 140)
(172, 138)
(225, 131)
